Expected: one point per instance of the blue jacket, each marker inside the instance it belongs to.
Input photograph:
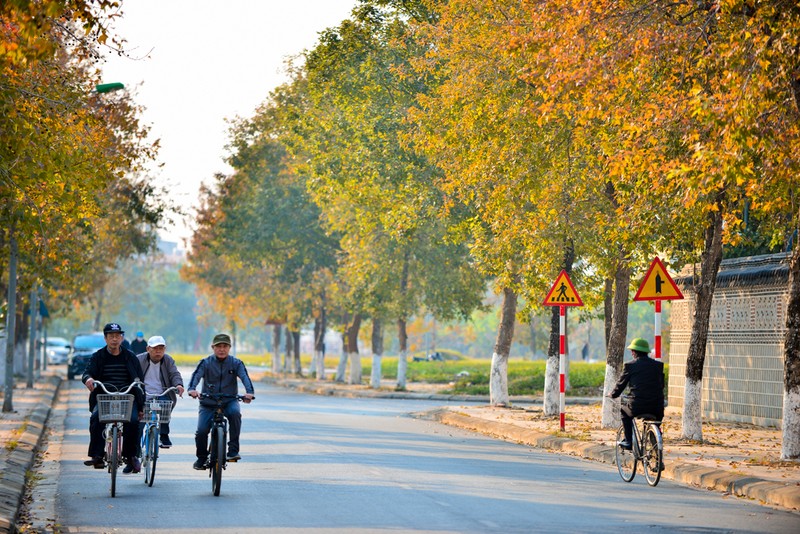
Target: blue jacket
(219, 376)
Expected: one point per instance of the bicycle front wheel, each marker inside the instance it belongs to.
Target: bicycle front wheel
(626, 460)
(113, 461)
(152, 455)
(217, 465)
(652, 460)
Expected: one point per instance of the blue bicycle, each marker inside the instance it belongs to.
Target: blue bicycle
(158, 411)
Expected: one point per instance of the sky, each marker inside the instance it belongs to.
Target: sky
(195, 63)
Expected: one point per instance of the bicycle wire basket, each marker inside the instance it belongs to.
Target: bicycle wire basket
(113, 408)
(162, 407)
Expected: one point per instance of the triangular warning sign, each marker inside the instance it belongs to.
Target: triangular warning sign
(657, 284)
(563, 293)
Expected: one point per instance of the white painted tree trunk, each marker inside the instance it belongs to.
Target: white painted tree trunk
(341, 370)
(375, 376)
(355, 368)
(319, 364)
(610, 417)
(551, 387)
(498, 381)
(692, 419)
(402, 370)
(790, 447)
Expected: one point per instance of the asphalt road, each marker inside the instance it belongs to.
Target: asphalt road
(332, 464)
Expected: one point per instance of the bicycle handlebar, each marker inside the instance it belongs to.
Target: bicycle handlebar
(220, 396)
(173, 388)
(136, 383)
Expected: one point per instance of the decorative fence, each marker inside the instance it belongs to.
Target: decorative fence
(743, 369)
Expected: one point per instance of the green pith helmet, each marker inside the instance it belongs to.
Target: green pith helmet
(640, 345)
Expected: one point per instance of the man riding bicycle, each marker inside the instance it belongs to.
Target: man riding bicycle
(219, 372)
(160, 373)
(645, 376)
(114, 366)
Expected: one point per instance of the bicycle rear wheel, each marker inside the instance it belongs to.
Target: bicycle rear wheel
(626, 460)
(217, 465)
(113, 461)
(151, 455)
(652, 460)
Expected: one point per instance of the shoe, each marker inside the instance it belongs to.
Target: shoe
(132, 465)
(625, 444)
(97, 462)
(165, 442)
(233, 458)
(200, 464)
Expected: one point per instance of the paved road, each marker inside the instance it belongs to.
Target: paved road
(330, 464)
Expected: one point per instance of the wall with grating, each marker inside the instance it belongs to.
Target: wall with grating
(743, 368)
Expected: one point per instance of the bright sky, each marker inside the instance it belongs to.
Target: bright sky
(199, 62)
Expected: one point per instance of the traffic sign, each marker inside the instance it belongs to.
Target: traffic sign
(657, 284)
(563, 293)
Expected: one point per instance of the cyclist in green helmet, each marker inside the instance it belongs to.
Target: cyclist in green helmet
(645, 377)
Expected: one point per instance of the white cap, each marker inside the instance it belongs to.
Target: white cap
(156, 341)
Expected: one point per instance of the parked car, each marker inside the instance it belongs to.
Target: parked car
(83, 346)
(57, 350)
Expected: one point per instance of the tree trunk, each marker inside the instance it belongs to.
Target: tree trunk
(552, 394)
(402, 358)
(11, 316)
(377, 353)
(692, 418)
(276, 348)
(615, 352)
(608, 307)
(341, 369)
(790, 448)
(532, 329)
(320, 326)
(352, 349)
(298, 367)
(287, 358)
(498, 377)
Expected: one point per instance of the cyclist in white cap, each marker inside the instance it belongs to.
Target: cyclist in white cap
(160, 373)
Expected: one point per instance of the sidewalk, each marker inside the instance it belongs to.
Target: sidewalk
(734, 459)
(21, 432)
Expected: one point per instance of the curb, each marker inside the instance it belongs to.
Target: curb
(764, 491)
(19, 461)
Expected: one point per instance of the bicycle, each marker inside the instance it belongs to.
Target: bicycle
(114, 409)
(216, 461)
(651, 455)
(158, 411)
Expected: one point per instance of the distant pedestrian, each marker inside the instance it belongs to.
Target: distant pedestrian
(139, 345)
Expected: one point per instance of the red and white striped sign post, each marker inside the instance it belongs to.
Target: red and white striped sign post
(562, 294)
(658, 285)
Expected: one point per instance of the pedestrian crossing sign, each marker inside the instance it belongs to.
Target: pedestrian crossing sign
(657, 284)
(563, 293)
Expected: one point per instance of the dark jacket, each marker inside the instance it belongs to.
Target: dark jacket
(170, 376)
(138, 346)
(95, 367)
(645, 376)
(219, 376)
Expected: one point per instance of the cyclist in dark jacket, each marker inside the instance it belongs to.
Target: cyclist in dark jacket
(645, 376)
(113, 366)
(219, 373)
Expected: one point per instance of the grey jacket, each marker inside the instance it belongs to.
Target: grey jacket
(219, 376)
(170, 376)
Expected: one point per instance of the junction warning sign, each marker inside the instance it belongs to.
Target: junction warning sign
(563, 293)
(657, 284)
